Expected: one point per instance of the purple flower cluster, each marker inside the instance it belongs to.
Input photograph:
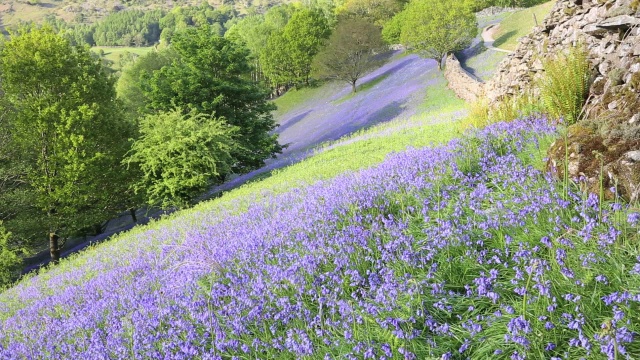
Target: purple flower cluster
(461, 250)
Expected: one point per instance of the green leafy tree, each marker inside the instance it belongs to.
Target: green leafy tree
(134, 77)
(10, 260)
(351, 51)
(435, 28)
(289, 54)
(377, 12)
(67, 132)
(392, 28)
(181, 156)
(211, 75)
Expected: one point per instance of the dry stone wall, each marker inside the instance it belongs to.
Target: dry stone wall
(604, 149)
(464, 84)
(610, 29)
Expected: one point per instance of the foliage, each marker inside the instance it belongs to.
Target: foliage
(10, 260)
(435, 28)
(351, 51)
(67, 133)
(377, 12)
(210, 76)
(126, 28)
(289, 53)
(565, 83)
(507, 109)
(181, 156)
(134, 77)
(392, 28)
(254, 31)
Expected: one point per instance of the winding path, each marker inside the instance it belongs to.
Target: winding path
(487, 37)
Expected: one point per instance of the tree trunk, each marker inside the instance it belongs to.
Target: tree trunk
(353, 87)
(54, 249)
(132, 211)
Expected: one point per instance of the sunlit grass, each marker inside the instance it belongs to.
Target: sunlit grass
(519, 24)
(298, 97)
(113, 53)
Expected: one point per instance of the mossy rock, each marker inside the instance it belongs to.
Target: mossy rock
(598, 165)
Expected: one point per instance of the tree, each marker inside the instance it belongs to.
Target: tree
(181, 155)
(289, 53)
(435, 28)
(66, 130)
(350, 51)
(392, 28)
(375, 11)
(10, 260)
(211, 76)
(134, 77)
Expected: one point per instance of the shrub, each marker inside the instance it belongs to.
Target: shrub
(482, 114)
(10, 261)
(565, 84)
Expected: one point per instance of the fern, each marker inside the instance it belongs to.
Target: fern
(565, 84)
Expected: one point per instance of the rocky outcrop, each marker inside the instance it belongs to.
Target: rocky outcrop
(610, 29)
(613, 169)
(604, 148)
(464, 84)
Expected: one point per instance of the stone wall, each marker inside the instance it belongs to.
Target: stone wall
(604, 148)
(610, 29)
(464, 84)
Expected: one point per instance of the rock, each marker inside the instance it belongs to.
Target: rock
(594, 30)
(619, 22)
(632, 156)
(634, 119)
(625, 173)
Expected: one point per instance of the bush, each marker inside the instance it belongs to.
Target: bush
(565, 84)
(10, 261)
(180, 156)
(482, 114)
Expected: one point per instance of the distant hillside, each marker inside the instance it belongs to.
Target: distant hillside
(13, 12)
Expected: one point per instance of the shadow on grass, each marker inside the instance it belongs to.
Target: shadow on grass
(292, 121)
(504, 38)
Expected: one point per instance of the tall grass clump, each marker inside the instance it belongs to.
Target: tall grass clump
(481, 114)
(564, 87)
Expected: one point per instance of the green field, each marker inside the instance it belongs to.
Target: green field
(519, 24)
(113, 53)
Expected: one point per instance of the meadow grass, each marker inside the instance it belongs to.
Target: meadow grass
(297, 97)
(462, 249)
(113, 53)
(519, 24)
(362, 87)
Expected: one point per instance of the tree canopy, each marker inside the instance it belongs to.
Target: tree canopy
(435, 28)
(351, 51)
(66, 131)
(180, 156)
(289, 53)
(211, 76)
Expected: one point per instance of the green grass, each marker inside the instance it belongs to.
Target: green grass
(297, 97)
(362, 88)
(519, 24)
(113, 53)
(360, 150)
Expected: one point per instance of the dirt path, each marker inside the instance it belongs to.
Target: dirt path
(487, 37)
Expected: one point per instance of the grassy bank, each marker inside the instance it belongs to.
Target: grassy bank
(519, 24)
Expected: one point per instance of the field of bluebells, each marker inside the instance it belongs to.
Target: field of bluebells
(463, 251)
